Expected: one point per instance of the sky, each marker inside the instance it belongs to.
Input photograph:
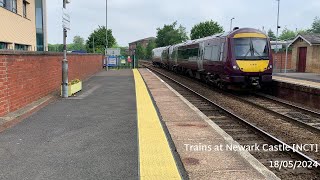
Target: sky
(131, 20)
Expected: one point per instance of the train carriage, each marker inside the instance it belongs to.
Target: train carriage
(240, 57)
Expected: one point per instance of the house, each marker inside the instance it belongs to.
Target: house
(144, 43)
(306, 53)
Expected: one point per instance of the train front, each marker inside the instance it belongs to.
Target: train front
(251, 59)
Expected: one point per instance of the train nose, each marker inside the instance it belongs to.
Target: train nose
(253, 65)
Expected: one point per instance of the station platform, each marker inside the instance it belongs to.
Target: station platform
(124, 124)
(311, 80)
(300, 88)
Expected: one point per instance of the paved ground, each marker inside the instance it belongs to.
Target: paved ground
(302, 76)
(91, 136)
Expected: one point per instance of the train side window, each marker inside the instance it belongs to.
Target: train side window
(207, 53)
(194, 54)
(215, 53)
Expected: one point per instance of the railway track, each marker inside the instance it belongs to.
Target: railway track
(301, 116)
(292, 113)
(246, 133)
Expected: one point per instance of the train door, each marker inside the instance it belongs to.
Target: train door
(220, 63)
(200, 57)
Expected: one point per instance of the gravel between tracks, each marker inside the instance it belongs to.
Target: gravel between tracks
(287, 132)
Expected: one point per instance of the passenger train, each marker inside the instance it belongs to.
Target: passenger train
(241, 57)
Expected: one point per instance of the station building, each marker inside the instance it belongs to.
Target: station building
(23, 25)
(306, 53)
(144, 43)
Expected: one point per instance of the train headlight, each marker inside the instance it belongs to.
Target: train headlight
(270, 66)
(235, 67)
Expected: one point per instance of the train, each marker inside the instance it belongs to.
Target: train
(239, 58)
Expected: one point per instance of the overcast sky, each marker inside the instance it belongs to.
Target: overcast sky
(131, 20)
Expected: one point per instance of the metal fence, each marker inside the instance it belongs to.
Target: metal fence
(119, 62)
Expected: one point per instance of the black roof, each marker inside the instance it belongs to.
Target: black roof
(312, 39)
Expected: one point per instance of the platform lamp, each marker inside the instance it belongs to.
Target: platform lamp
(277, 38)
(106, 35)
(64, 84)
(231, 23)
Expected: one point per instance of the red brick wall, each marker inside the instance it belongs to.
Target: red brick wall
(281, 60)
(25, 78)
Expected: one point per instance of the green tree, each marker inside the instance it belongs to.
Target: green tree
(55, 47)
(171, 34)
(151, 45)
(78, 44)
(271, 35)
(302, 31)
(140, 52)
(287, 34)
(99, 37)
(205, 29)
(124, 51)
(315, 27)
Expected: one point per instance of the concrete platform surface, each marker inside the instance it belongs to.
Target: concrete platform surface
(188, 126)
(314, 77)
(90, 136)
(311, 80)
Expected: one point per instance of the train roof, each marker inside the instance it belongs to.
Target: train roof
(225, 34)
(160, 48)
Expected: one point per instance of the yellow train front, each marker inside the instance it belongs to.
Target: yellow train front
(249, 58)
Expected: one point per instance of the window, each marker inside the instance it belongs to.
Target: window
(11, 5)
(188, 54)
(14, 6)
(242, 47)
(251, 48)
(260, 47)
(221, 51)
(207, 52)
(212, 53)
(25, 9)
(3, 45)
(39, 26)
(8, 4)
(21, 47)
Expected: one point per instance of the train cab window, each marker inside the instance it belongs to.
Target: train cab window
(260, 47)
(251, 48)
(242, 47)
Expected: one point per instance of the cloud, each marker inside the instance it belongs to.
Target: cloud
(135, 19)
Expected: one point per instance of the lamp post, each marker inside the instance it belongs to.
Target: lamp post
(277, 38)
(64, 83)
(278, 25)
(106, 34)
(231, 23)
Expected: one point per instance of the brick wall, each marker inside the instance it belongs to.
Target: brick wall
(27, 77)
(281, 60)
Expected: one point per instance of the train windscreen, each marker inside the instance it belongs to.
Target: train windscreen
(251, 48)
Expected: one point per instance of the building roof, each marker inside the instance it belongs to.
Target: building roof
(311, 39)
(145, 39)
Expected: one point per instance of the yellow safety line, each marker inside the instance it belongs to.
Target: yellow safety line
(155, 157)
